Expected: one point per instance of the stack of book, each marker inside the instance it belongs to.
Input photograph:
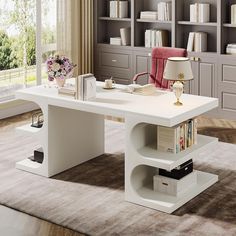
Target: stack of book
(233, 14)
(115, 41)
(164, 11)
(148, 15)
(178, 138)
(200, 12)
(118, 9)
(231, 48)
(197, 42)
(156, 38)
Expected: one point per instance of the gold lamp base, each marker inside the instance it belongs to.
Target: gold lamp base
(178, 103)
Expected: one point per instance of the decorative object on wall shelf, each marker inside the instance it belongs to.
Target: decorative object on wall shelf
(125, 34)
(178, 69)
(233, 14)
(59, 68)
(118, 9)
(37, 119)
(115, 41)
(197, 42)
(164, 11)
(156, 38)
(149, 15)
(200, 12)
(231, 48)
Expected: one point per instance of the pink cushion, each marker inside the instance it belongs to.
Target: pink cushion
(159, 57)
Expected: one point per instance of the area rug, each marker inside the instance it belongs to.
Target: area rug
(89, 198)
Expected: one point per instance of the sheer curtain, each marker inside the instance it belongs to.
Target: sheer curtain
(75, 33)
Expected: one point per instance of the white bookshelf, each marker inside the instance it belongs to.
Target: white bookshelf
(152, 156)
(169, 204)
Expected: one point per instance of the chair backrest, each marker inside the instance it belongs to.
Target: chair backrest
(159, 58)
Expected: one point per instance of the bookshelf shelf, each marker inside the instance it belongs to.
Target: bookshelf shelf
(169, 161)
(214, 24)
(114, 19)
(153, 21)
(167, 203)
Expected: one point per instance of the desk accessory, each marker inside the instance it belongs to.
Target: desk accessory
(38, 156)
(85, 87)
(178, 172)
(178, 69)
(37, 119)
(67, 90)
(109, 83)
(147, 89)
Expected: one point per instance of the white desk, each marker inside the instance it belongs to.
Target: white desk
(73, 132)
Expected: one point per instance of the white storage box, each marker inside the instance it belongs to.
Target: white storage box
(172, 186)
(115, 41)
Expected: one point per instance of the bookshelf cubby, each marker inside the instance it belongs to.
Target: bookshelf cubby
(219, 29)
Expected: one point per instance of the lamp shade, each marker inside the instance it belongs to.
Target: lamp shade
(178, 69)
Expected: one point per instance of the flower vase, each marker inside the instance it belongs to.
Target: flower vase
(60, 81)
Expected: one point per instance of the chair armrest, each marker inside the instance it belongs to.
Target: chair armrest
(135, 78)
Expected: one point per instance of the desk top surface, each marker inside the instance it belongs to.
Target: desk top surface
(156, 109)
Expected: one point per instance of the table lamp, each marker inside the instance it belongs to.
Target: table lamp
(178, 69)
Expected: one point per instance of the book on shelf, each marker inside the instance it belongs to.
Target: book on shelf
(197, 42)
(233, 14)
(178, 138)
(200, 12)
(125, 34)
(231, 49)
(115, 41)
(156, 38)
(148, 15)
(164, 11)
(123, 9)
(118, 9)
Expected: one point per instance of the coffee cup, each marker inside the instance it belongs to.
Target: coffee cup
(109, 83)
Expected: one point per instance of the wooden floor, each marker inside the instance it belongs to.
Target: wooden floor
(15, 223)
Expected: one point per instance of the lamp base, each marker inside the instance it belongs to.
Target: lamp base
(178, 103)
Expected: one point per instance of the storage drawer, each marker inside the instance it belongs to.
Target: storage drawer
(172, 186)
(229, 101)
(229, 73)
(115, 60)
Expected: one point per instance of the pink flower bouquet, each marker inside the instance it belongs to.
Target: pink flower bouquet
(59, 67)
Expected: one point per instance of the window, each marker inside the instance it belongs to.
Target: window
(22, 22)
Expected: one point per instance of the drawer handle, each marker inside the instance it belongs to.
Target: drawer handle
(165, 184)
(114, 60)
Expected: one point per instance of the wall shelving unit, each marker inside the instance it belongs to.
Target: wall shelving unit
(212, 69)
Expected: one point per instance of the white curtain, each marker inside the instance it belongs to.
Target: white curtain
(75, 33)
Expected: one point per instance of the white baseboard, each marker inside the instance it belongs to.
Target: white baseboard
(16, 107)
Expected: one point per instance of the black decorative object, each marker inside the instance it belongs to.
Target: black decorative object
(38, 156)
(37, 119)
(179, 172)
